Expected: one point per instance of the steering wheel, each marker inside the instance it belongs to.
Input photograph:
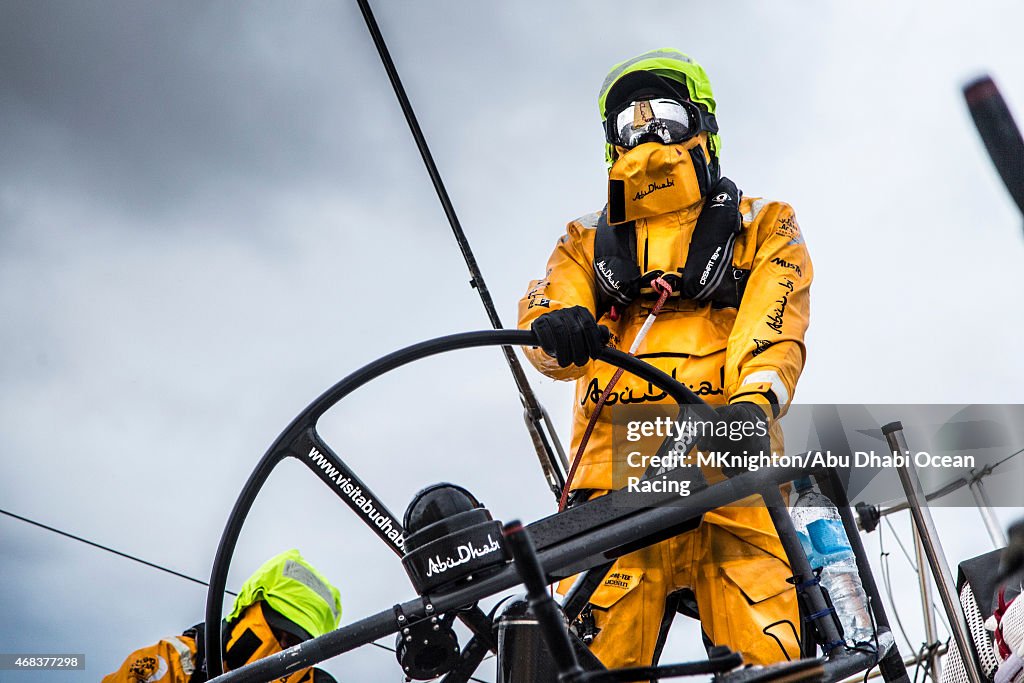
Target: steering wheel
(301, 440)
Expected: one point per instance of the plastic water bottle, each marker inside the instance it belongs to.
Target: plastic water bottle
(825, 543)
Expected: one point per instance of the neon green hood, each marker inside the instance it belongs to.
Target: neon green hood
(294, 588)
(667, 63)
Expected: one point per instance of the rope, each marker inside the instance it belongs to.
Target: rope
(665, 289)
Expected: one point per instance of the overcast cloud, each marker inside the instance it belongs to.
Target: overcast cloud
(210, 212)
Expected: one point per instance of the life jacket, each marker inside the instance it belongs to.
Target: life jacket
(182, 659)
(708, 276)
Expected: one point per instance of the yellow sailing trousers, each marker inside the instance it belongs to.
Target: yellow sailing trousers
(741, 591)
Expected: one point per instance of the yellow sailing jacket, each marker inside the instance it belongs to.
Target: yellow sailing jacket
(175, 660)
(752, 353)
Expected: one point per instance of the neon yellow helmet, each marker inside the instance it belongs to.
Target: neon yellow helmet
(675, 66)
(295, 589)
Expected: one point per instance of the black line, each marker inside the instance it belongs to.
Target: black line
(1011, 455)
(550, 461)
(148, 564)
(110, 550)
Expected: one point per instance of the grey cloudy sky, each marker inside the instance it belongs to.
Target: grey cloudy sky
(210, 212)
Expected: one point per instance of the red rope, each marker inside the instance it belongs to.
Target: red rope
(665, 289)
(998, 612)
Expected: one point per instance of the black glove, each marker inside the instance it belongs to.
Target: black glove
(746, 429)
(570, 335)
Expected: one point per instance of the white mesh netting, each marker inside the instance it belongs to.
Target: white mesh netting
(1013, 625)
(953, 666)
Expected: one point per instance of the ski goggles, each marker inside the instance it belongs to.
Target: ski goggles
(652, 120)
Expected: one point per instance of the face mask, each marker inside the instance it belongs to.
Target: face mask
(654, 178)
(251, 639)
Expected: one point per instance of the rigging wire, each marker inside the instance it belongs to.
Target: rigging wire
(111, 550)
(920, 661)
(954, 485)
(927, 650)
(910, 560)
(1011, 455)
(913, 565)
(542, 432)
(884, 557)
(148, 563)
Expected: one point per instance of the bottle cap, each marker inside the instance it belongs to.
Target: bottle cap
(802, 484)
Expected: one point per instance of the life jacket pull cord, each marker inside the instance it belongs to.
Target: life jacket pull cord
(664, 288)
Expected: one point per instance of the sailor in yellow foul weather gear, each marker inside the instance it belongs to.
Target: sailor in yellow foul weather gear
(286, 602)
(733, 331)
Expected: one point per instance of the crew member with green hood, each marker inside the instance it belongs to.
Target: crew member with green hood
(286, 602)
(732, 328)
